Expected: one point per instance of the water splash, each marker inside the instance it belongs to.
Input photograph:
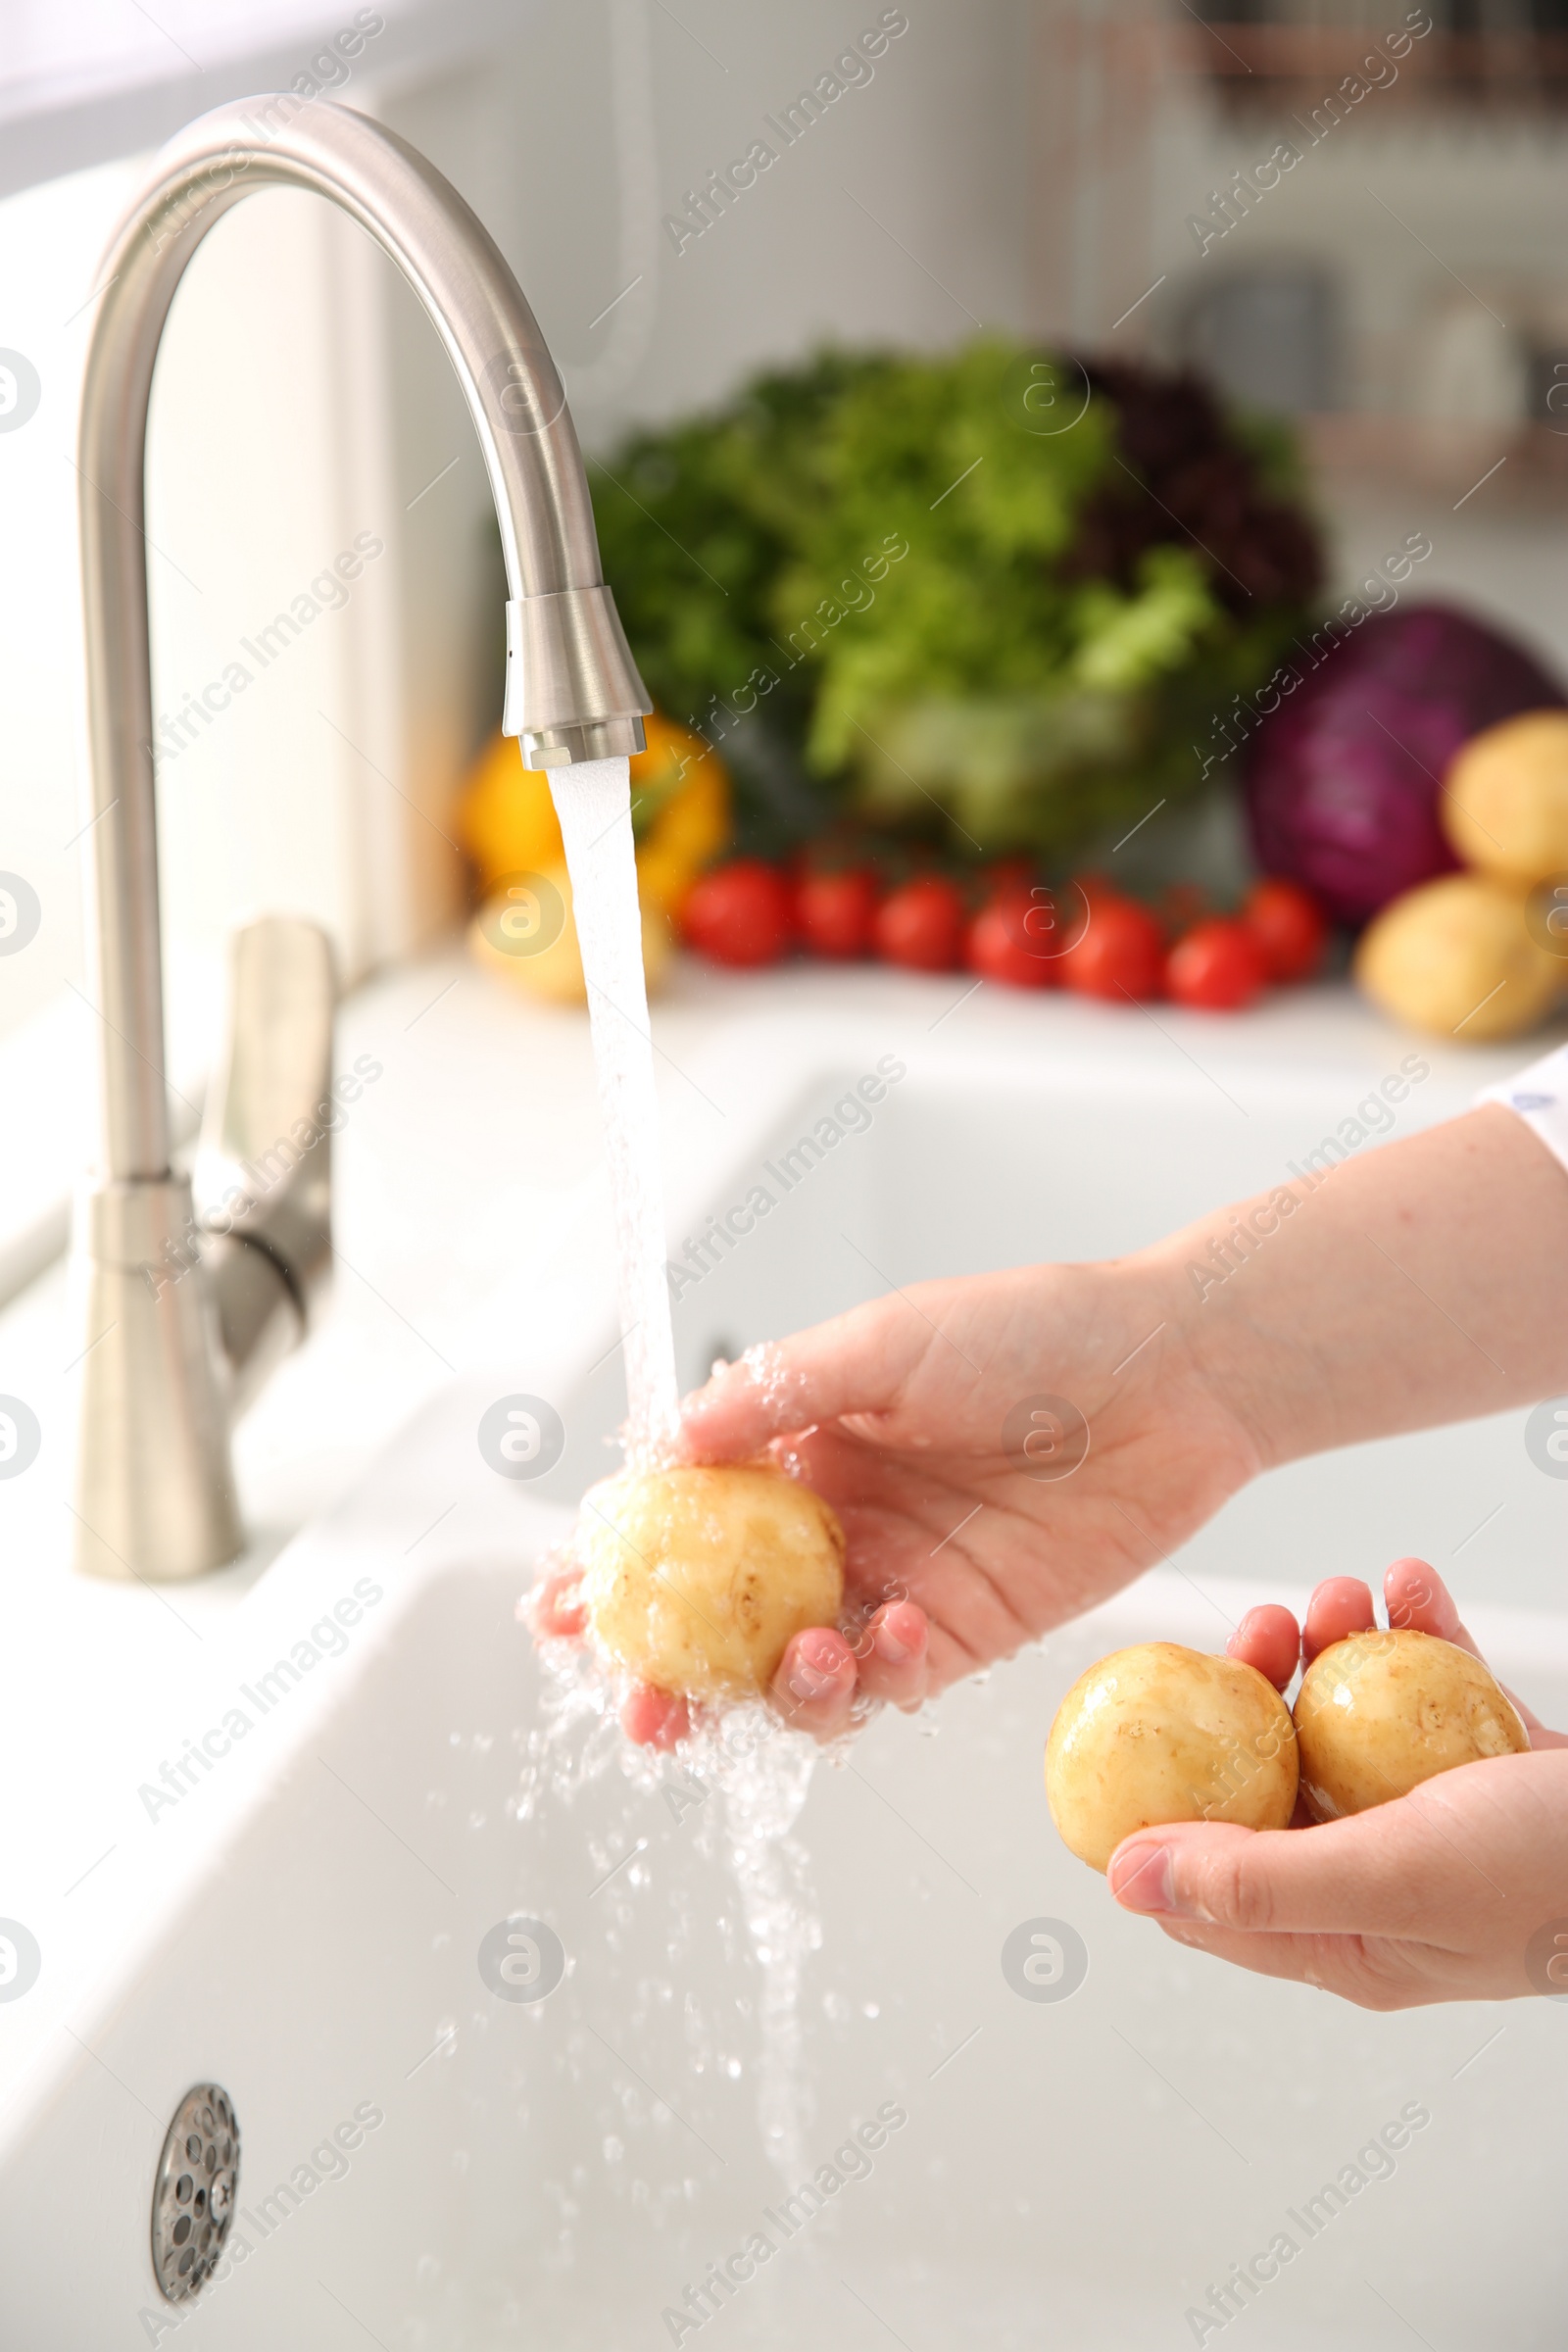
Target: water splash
(771, 1868)
(593, 800)
(760, 1771)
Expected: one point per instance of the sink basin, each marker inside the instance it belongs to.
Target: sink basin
(430, 2161)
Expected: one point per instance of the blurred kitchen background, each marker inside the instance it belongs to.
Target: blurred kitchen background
(1094, 179)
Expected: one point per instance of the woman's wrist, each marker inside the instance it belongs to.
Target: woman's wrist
(1218, 1301)
(1408, 1288)
(1212, 1370)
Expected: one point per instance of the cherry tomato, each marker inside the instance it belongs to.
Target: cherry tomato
(1288, 925)
(1014, 939)
(834, 912)
(740, 913)
(1056, 920)
(1220, 965)
(1121, 952)
(920, 925)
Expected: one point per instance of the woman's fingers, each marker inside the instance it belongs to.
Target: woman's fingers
(1399, 1869)
(557, 1606)
(1262, 1882)
(814, 1689)
(1340, 1605)
(1419, 1601)
(1270, 1640)
(855, 1364)
(892, 1654)
(1436, 1895)
(820, 1673)
(652, 1718)
(1417, 1598)
(1414, 1595)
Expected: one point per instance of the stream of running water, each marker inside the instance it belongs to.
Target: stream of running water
(593, 800)
(763, 1794)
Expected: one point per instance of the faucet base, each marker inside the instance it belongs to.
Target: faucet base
(154, 1496)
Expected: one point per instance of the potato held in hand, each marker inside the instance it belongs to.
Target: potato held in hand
(1160, 1734)
(1379, 1713)
(696, 1580)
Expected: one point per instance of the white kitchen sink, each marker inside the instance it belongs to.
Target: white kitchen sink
(303, 1925)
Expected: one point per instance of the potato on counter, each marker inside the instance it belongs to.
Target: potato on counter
(696, 1580)
(1379, 1713)
(1456, 957)
(1506, 798)
(1159, 1732)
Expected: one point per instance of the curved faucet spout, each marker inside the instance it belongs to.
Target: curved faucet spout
(154, 1484)
(572, 688)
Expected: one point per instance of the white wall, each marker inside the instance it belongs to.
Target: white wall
(1415, 213)
(267, 459)
(1431, 225)
(935, 146)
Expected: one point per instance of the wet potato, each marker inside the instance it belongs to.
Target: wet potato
(695, 1580)
(1379, 1713)
(1158, 1733)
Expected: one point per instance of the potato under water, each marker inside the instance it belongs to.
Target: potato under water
(1379, 1713)
(696, 1580)
(1158, 1733)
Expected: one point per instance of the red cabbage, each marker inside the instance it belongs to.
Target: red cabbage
(1343, 779)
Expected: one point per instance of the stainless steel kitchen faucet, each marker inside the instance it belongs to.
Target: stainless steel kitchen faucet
(186, 1308)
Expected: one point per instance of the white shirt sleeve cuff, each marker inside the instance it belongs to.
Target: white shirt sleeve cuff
(1540, 1096)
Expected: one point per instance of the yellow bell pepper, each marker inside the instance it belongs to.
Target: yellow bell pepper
(680, 813)
(533, 944)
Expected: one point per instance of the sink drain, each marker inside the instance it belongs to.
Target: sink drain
(193, 2201)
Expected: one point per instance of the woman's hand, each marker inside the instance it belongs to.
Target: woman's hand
(1288, 1324)
(976, 1520)
(975, 1517)
(1432, 1898)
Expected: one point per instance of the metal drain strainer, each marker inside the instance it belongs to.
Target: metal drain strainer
(193, 2201)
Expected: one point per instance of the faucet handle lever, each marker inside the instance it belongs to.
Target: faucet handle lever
(262, 1179)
